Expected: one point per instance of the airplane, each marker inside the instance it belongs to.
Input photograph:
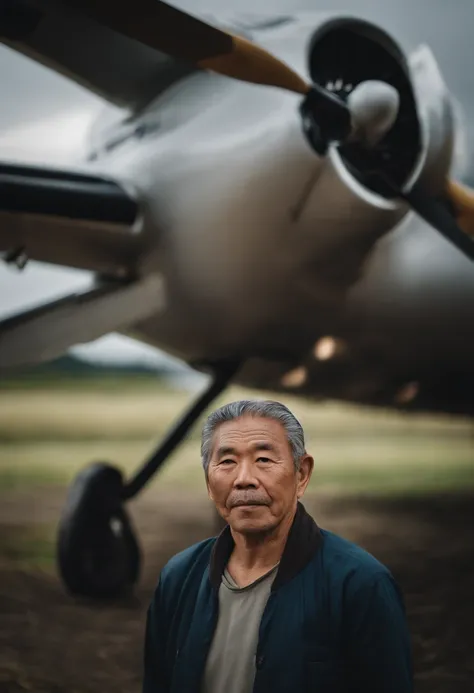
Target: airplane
(272, 205)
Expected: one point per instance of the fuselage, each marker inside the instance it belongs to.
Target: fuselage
(265, 247)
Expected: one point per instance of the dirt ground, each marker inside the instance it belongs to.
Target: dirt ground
(50, 643)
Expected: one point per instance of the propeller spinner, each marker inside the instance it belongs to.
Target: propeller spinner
(374, 109)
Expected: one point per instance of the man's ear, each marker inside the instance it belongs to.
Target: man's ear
(304, 474)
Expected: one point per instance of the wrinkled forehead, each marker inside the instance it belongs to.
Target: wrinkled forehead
(250, 431)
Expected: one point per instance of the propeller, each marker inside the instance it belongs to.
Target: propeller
(185, 37)
(369, 113)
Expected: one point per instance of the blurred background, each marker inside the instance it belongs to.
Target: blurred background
(401, 485)
(398, 484)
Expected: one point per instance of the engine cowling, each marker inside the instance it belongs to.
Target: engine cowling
(342, 53)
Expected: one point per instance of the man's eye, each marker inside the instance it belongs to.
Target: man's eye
(263, 459)
(227, 461)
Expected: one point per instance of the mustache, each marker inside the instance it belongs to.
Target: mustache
(235, 499)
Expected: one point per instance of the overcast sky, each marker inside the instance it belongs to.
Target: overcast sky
(43, 117)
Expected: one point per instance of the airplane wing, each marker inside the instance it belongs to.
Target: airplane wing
(66, 218)
(46, 332)
(125, 72)
(74, 220)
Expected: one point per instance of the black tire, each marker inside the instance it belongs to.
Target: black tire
(98, 554)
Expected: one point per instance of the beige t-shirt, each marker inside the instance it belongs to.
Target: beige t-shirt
(230, 665)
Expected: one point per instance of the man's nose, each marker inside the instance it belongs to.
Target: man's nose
(245, 475)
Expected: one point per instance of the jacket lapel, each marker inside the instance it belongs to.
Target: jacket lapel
(304, 539)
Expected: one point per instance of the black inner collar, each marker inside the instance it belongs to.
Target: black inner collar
(304, 539)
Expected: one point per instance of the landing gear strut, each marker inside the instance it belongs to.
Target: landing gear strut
(98, 554)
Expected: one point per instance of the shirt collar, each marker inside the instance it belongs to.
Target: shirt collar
(304, 539)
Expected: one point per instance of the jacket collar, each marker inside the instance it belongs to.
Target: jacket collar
(304, 539)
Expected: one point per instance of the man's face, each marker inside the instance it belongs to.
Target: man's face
(252, 477)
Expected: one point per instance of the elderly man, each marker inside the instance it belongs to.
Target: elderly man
(274, 604)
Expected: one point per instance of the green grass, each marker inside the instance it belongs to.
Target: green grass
(348, 465)
(48, 434)
(86, 382)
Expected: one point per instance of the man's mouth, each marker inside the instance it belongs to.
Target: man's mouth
(247, 503)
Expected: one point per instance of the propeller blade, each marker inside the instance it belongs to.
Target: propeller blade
(462, 200)
(187, 38)
(439, 216)
(251, 63)
(452, 216)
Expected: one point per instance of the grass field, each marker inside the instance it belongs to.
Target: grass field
(48, 433)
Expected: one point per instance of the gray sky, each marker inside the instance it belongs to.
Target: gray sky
(43, 117)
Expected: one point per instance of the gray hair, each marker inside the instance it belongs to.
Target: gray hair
(266, 409)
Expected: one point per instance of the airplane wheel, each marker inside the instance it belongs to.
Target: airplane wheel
(98, 554)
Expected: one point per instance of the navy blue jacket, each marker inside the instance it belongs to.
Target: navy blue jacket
(334, 621)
